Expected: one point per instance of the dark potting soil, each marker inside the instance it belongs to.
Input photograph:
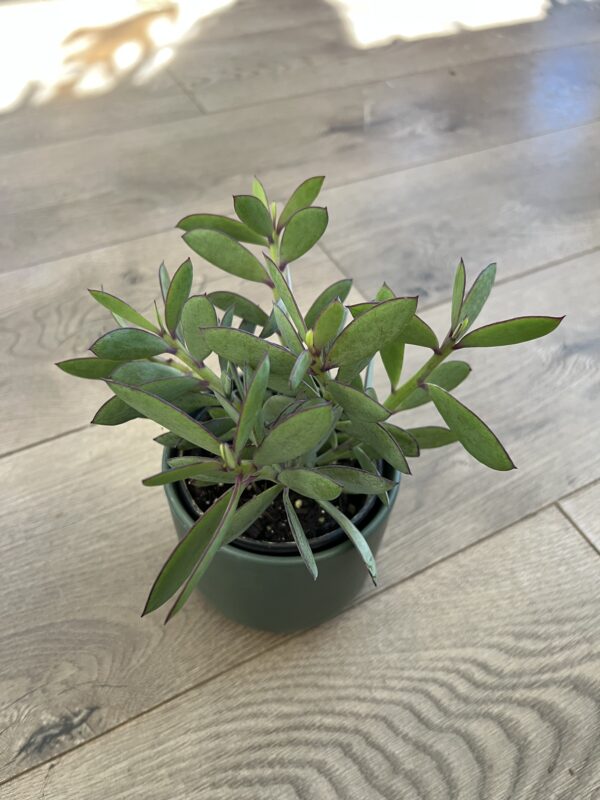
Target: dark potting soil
(272, 525)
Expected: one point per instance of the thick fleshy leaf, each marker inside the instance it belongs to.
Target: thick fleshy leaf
(226, 253)
(448, 375)
(392, 354)
(173, 442)
(198, 313)
(416, 331)
(164, 280)
(357, 404)
(305, 195)
(431, 436)
(212, 543)
(252, 405)
(179, 291)
(477, 295)
(258, 190)
(95, 368)
(297, 530)
(275, 406)
(287, 332)
(510, 331)
(368, 465)
(242, 307)
(367, 334)
(250, 512)
(183, 391)
(287, 298)
(127, 344)
(381, 442)
(167, 415)
(134, 373)
(122, 309)
(310, 482)
(253, 213)
(185, 556)
(303, 231)
(216, 222)
(328, 324)
(355, 536)
(337, 291)
(471, 431)
(242, 348)
(406, 441)
(356, 481)
(210, 471)
(295, 435)
(300, 369)
(458, 293)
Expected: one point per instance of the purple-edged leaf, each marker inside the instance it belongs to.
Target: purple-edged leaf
(510, 331)
(164, 280)
(416, 331)
(431, 436)
(208, 470)
(243, 348)
(303, 231)
(226, 253)
(377, 438)
(477, 295)
(310, 482)
(448, 375)
(295, 435)
(328, 324)
(305, 195)
(252, 405)
(470, 430)
(122, 309)
(337, 291)
(405, 440)
(259, 191)
(357, 404)
(94, 368)
(185, 392)
(355, 536)
(127, 344)
(297, 530)
(250, 512)
(134, 373)
(299, 369)
(458, 293)
(179, 291)
(254, 214)
(392, 354)
(356, 481)
(242, 307)
(198, 313)
(216, 222)
(287, 332)
(286, 296)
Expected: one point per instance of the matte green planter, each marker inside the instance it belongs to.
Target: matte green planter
(274, 592)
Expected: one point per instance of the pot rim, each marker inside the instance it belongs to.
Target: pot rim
(174, 498)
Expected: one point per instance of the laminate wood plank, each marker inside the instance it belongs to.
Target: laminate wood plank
(309, 58)
(46, 315)
(86, 538)
(478, 679)
(523, 205)
(79, 195)
(583, 508)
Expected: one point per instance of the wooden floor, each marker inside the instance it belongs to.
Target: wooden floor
(473, 671)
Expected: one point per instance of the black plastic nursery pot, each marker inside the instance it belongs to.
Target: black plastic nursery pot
(272, 590)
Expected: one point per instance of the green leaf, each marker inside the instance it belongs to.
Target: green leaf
(198, 313)
(224, 252)
(127, 344)
(448, 376)
(477, 295)
(179, 291)
(310, 483)
(305, 195)
(216, 222)
(510, 331)
(295, 435)
(167, 415)
(302, 542)
(173, 442)
(337, 291)
(458, 293)
(242, 307)
(242, 348)
(381, 442)
(258, 190)
(368, 465)
(185, 556)
(357, 404)
(122, 309)
(419, 333)
(212, 543)
(253, 213)
(392, 354)
(164, 280)
(275, 406)
(302, 231)
(250, 512)
(356, 481)
(328, 324)
(432, 436)
(471, 432)
(288, 334)
(185, 392)
(134, 373)
(252, 404)
(405, 440)
(367, 334)
(284, 293)
(355, 536)
(208, 469)
(300, 369)
(89, 367)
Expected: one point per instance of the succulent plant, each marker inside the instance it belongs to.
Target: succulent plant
(290, 406)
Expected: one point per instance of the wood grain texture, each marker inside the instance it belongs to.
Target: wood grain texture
(89, 538)
(522, 205)
(583, 508)
(478, 679)
(73, 196)
(47, 315)
(317, 55)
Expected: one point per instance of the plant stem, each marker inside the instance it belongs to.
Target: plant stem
(203, 372)
(399, 395)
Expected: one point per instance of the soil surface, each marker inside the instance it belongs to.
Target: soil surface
(273, 526)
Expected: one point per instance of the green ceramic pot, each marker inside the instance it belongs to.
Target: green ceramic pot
(275, 592)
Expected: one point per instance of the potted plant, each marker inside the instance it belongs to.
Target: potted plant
(280, 463)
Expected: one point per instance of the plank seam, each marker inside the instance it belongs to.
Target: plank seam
(579, 530)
